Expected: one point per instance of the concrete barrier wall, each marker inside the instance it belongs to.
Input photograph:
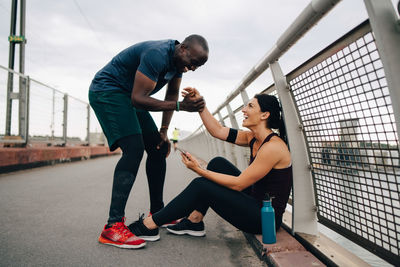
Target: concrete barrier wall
(21, 158)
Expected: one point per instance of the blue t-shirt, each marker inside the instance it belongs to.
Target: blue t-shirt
(152, 58)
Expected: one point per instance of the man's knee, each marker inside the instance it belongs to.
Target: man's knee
(132, 144)
(151, 141)
(158, 152)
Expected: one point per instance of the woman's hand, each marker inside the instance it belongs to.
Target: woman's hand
(190, 162)
(192, 94)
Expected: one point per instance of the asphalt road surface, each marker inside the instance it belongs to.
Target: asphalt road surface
(52, 216)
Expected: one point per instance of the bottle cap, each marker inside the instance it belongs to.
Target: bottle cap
(267, 197)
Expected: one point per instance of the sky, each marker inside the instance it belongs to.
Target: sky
(69, 41)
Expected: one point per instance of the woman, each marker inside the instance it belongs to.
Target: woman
(235, 196)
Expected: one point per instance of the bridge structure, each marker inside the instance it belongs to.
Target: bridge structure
(341, 109)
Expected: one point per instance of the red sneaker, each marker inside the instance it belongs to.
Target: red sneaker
(169, 223)
(119, 235)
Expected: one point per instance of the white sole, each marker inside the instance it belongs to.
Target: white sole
(125, 246)
(188, 232)
(150, 238)
(166, 225)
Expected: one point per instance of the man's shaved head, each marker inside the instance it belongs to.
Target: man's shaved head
(196, 39)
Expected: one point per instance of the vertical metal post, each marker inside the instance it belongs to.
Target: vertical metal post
(28, 90)
(221, 145)
(65, 118)
(245, 97)
(22, 79)
(304, 217)
(53, 114)
(232, 117)
(22, 33)
(11, 59)
(384, 24)
(235, 125)
(23, 106)
(244, 159)
(220, 118)
(88, 125)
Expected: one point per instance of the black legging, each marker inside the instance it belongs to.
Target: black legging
(238, 208)
(132, 147)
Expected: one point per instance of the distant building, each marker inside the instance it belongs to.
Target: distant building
(348, 132)
(350, 152)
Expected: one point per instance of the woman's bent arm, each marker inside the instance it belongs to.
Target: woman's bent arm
(213, 126)
(266, 159)
(221, 132)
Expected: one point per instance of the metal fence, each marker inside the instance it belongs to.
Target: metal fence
(350, 130)
(340, 105)
(40, 113)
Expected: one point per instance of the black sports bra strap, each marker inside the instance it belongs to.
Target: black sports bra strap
(269, 137)
(265, 140)
(252, 142)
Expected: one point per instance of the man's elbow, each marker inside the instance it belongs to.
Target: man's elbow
(136, 102)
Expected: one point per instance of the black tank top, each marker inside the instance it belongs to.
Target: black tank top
(277, 183)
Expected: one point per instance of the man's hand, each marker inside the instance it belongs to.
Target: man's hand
(164, 141)
(192, 100)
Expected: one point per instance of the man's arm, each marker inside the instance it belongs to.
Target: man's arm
(141, 98)
(172, 94)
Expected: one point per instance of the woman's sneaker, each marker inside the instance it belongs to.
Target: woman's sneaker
(186, 227)
(171, 223)
(141, 231)
(118, 235)
(167, 224)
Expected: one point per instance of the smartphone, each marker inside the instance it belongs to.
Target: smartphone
(183, 151)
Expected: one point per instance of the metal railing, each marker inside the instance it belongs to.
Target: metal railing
(341, 111)
(42, 113)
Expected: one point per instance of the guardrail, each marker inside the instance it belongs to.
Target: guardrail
(341, 110)
(36, 112)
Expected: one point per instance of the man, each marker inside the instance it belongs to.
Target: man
(120, 95)
(175, 136)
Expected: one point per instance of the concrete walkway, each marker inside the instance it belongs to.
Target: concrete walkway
(53, 215)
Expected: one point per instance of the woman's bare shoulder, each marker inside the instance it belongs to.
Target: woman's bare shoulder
(275, 147)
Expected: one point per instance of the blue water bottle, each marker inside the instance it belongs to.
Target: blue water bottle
(268, 221)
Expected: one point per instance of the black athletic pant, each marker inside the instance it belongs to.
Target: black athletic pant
(132, 147)
(238, 208)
